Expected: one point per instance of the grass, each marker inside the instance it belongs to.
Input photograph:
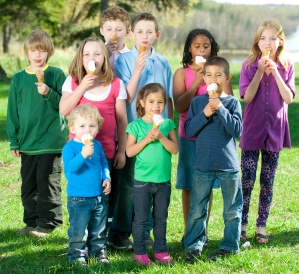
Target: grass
(27, 255)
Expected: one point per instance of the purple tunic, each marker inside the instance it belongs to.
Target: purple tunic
(265, 119)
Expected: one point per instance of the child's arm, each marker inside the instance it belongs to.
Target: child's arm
(122, 122)
(134, 148)
(107, 186)
(105, 173)
(182, 97)
(133, 82)
(170, 144)
(70, 100)
(254, 84)
(284, 90)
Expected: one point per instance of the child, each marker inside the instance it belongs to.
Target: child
(36, 133)
(137, 70)
(216, 123)
(115, 26)
(153, 148)
(104, 91)
(188, 83)
(87, 172)
(267, 84)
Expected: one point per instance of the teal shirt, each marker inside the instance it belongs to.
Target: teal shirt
(153, 163)
(34, 125)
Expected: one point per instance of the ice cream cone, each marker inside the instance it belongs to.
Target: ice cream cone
(212, 90)
(157, 120)
(266, 53)
(142, 49)
(113, 38)
(40, 79)
(199, 60)
(91, 67)
(40, 75)
(155, 126)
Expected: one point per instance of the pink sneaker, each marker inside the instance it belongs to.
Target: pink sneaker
(142, 259)
(163, 258)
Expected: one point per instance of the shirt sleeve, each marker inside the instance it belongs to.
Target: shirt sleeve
(67, 85)
(72, 161)
(123, 70)
(245, 79)
(122, 91)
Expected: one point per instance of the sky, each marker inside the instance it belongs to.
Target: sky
(260, 2)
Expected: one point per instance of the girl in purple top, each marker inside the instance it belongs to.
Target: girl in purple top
(188, 83)
(267, 84)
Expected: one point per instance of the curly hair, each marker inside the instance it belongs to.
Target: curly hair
(116, 13)
(143, 92)
(187, 57)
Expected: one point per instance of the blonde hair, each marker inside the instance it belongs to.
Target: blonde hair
(87, 112)
(274, 25)
(77, 69)
(116, 13)
(145, 91)
(39, 40)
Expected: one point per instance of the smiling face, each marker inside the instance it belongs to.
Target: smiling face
(200, 46)
(269, 40)
(112, 28)
(145, 33)
(83, 126)
(93, 51)
(37, 58)
(154, 103)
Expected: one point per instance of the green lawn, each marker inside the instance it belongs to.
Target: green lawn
(28, 255)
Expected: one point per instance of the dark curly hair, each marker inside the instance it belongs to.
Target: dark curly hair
(187, 58)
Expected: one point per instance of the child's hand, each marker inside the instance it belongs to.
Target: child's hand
(15, 153)
(156, 133)
(150, 137)
(215, 103)
(119, 160)
(107, 186)
(140, 61)
(263, 64)
(111, 47)
(209, 110)
(272, 68)
(198, 75)
(87, 82)
(42, 88)
(87, 150)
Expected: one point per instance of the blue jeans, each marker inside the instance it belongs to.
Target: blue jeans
(232, 209)
(143, 195)
(123, 212)
(87, 218)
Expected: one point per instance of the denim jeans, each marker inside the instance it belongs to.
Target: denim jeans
(123, 212)
(41, 190)
(143, 195)
(232, 209)
(87, 218)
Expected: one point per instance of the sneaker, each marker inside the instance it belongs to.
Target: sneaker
(120, 241)
(40, 232)
(25, 230)
(193, 256)
(102, 257)
(142, 259)
(220, 253)
(79, 261)
(149, 241)
(163, 258)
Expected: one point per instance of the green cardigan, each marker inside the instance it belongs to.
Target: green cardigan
(34, 125)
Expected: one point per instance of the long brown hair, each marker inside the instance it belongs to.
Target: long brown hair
(143, 92)
(77, 69)
(275, 25)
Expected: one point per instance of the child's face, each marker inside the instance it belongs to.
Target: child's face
(269, 40)
(83, 126)
(111, 28)
(145, 33)
(216, 74)
(93, 51)
(153, 104)
(37, 58)
(200, 46)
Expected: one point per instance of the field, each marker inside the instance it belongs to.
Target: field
(28, 255)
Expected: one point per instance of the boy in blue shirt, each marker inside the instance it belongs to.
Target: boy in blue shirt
(87, 172)
(136, 69)
(216, 122)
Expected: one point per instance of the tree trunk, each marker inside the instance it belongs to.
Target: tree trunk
(6, 37)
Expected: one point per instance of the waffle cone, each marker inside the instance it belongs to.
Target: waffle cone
(86, 142)
(155, 126)
(142, 49)
(40, 79)
(266, 53)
